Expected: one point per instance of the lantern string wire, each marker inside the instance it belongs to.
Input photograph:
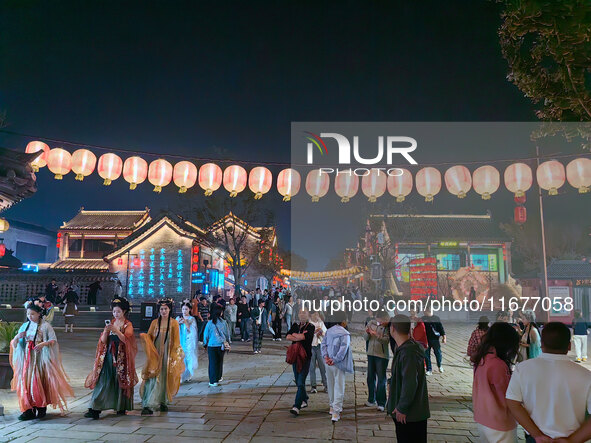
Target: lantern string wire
(553, 156)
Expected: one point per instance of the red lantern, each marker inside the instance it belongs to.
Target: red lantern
(135, 171)
(59, 162)
(235, 178)
(41, 159)
(210, 178)
(136, 262)
(288, 183)
(159, 174)
(520, 215)
(109, 167)
(120, 261)
(2, 250)
(184, 175)
(83, 163)
(520, 200)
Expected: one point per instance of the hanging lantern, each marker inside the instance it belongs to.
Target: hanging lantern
(288, 183)
(346, 185)
(520, 200)
(428, 183)
(210, 178)
(135, 171)
(458, 180)
(159, 174)
(235, 179)
(83, 163)
(486, 180)
(551, 176)
(184, 175)
(400, 186)
(317, 184)
(59, 162)
(520, 215)
(109, 167)
(260, 180)
(578, 174)
(4, 225)
(41, 159)
(373, 185)
(518, 178)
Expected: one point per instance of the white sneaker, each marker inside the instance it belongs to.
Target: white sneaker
(336, 417)
(370, 404)
(381, 408)
(331, 411)
(213, 385)
(429, 373)
(278, 339)
(295, 411)
(221, 379)
(304, 405)
(441, 369)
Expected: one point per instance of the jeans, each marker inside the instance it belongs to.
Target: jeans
(232, 328)
(317, 360)
(411, 431)
(376, 379)
(257, 336)
(436, 346)
(300, 379)
(200, 329)
(288, 322)
(336, 388)
(216, 361)
(244, 328)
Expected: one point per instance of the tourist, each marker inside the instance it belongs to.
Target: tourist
(435, 331)
(301, 334)
(258, 316)
(550, 395)
(492, 361)
(93, 289)
(477, 334)
(377, 337)
(39, 378)
(418, 330)
(288, 311)
(203, 314)
(118, 291)
(189, 343)
(231, 316)
(276, 317)
(580, 327)
(164, 360)
(113, 376)
(530, 346)
(316, 358)
(70, 301)
(216, 341)
(408, 400)
(51, 291)
(243, 316)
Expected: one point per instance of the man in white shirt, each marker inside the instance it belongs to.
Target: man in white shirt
(550, 394)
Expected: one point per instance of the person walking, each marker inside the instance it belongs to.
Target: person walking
(530, 346)
(243, 316)
(580, 327)
(276, 317)
(377, 337)
(337, 354)
(408, 400)
(316, 359)
(93, 289)
(216, 341)
(231, 316)
(288, 311)
(301, 333)
(51, 291)
(70, 301)
(492, 361)
(435, 331)
(418, 330)
(258, 316)
(548, 408)
(189, 342)
(477, 335)
(203, 314)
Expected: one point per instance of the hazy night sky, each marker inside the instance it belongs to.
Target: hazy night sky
(226, 79)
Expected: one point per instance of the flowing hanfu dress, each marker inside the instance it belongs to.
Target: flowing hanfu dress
(164, 365)
(113, 376)
(188, 337)
(39, 377)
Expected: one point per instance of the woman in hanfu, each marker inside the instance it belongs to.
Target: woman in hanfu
(113, 376)
(39, 377)
(189, 340)
(164, 360)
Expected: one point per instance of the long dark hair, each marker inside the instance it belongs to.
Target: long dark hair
(170, 303)
(501, 337)
(216, 312)
(122, 303)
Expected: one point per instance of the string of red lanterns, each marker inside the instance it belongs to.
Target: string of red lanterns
(518, 177)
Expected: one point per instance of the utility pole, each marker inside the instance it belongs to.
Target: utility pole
(545, 294)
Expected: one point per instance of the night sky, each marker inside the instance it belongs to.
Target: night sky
(226, 79)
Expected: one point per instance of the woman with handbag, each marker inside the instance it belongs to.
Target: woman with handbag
(216, 340)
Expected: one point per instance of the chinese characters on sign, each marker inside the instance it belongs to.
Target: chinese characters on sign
(158, 273)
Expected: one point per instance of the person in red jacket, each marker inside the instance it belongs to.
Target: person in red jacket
(418, 331)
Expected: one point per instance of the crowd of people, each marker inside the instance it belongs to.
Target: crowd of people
(515, 362)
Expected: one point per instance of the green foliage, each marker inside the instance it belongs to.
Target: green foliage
(8, 331)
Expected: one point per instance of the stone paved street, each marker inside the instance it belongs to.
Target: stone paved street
(251, 405)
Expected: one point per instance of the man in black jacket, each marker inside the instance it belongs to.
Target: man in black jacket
(434, 330)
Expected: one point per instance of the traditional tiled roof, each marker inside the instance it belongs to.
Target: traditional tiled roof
(569, 269)
(81, 263)
(17, 180)
(107, 220)
(425, 228)
(16, 224)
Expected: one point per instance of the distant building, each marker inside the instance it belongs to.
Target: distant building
(32, 244)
